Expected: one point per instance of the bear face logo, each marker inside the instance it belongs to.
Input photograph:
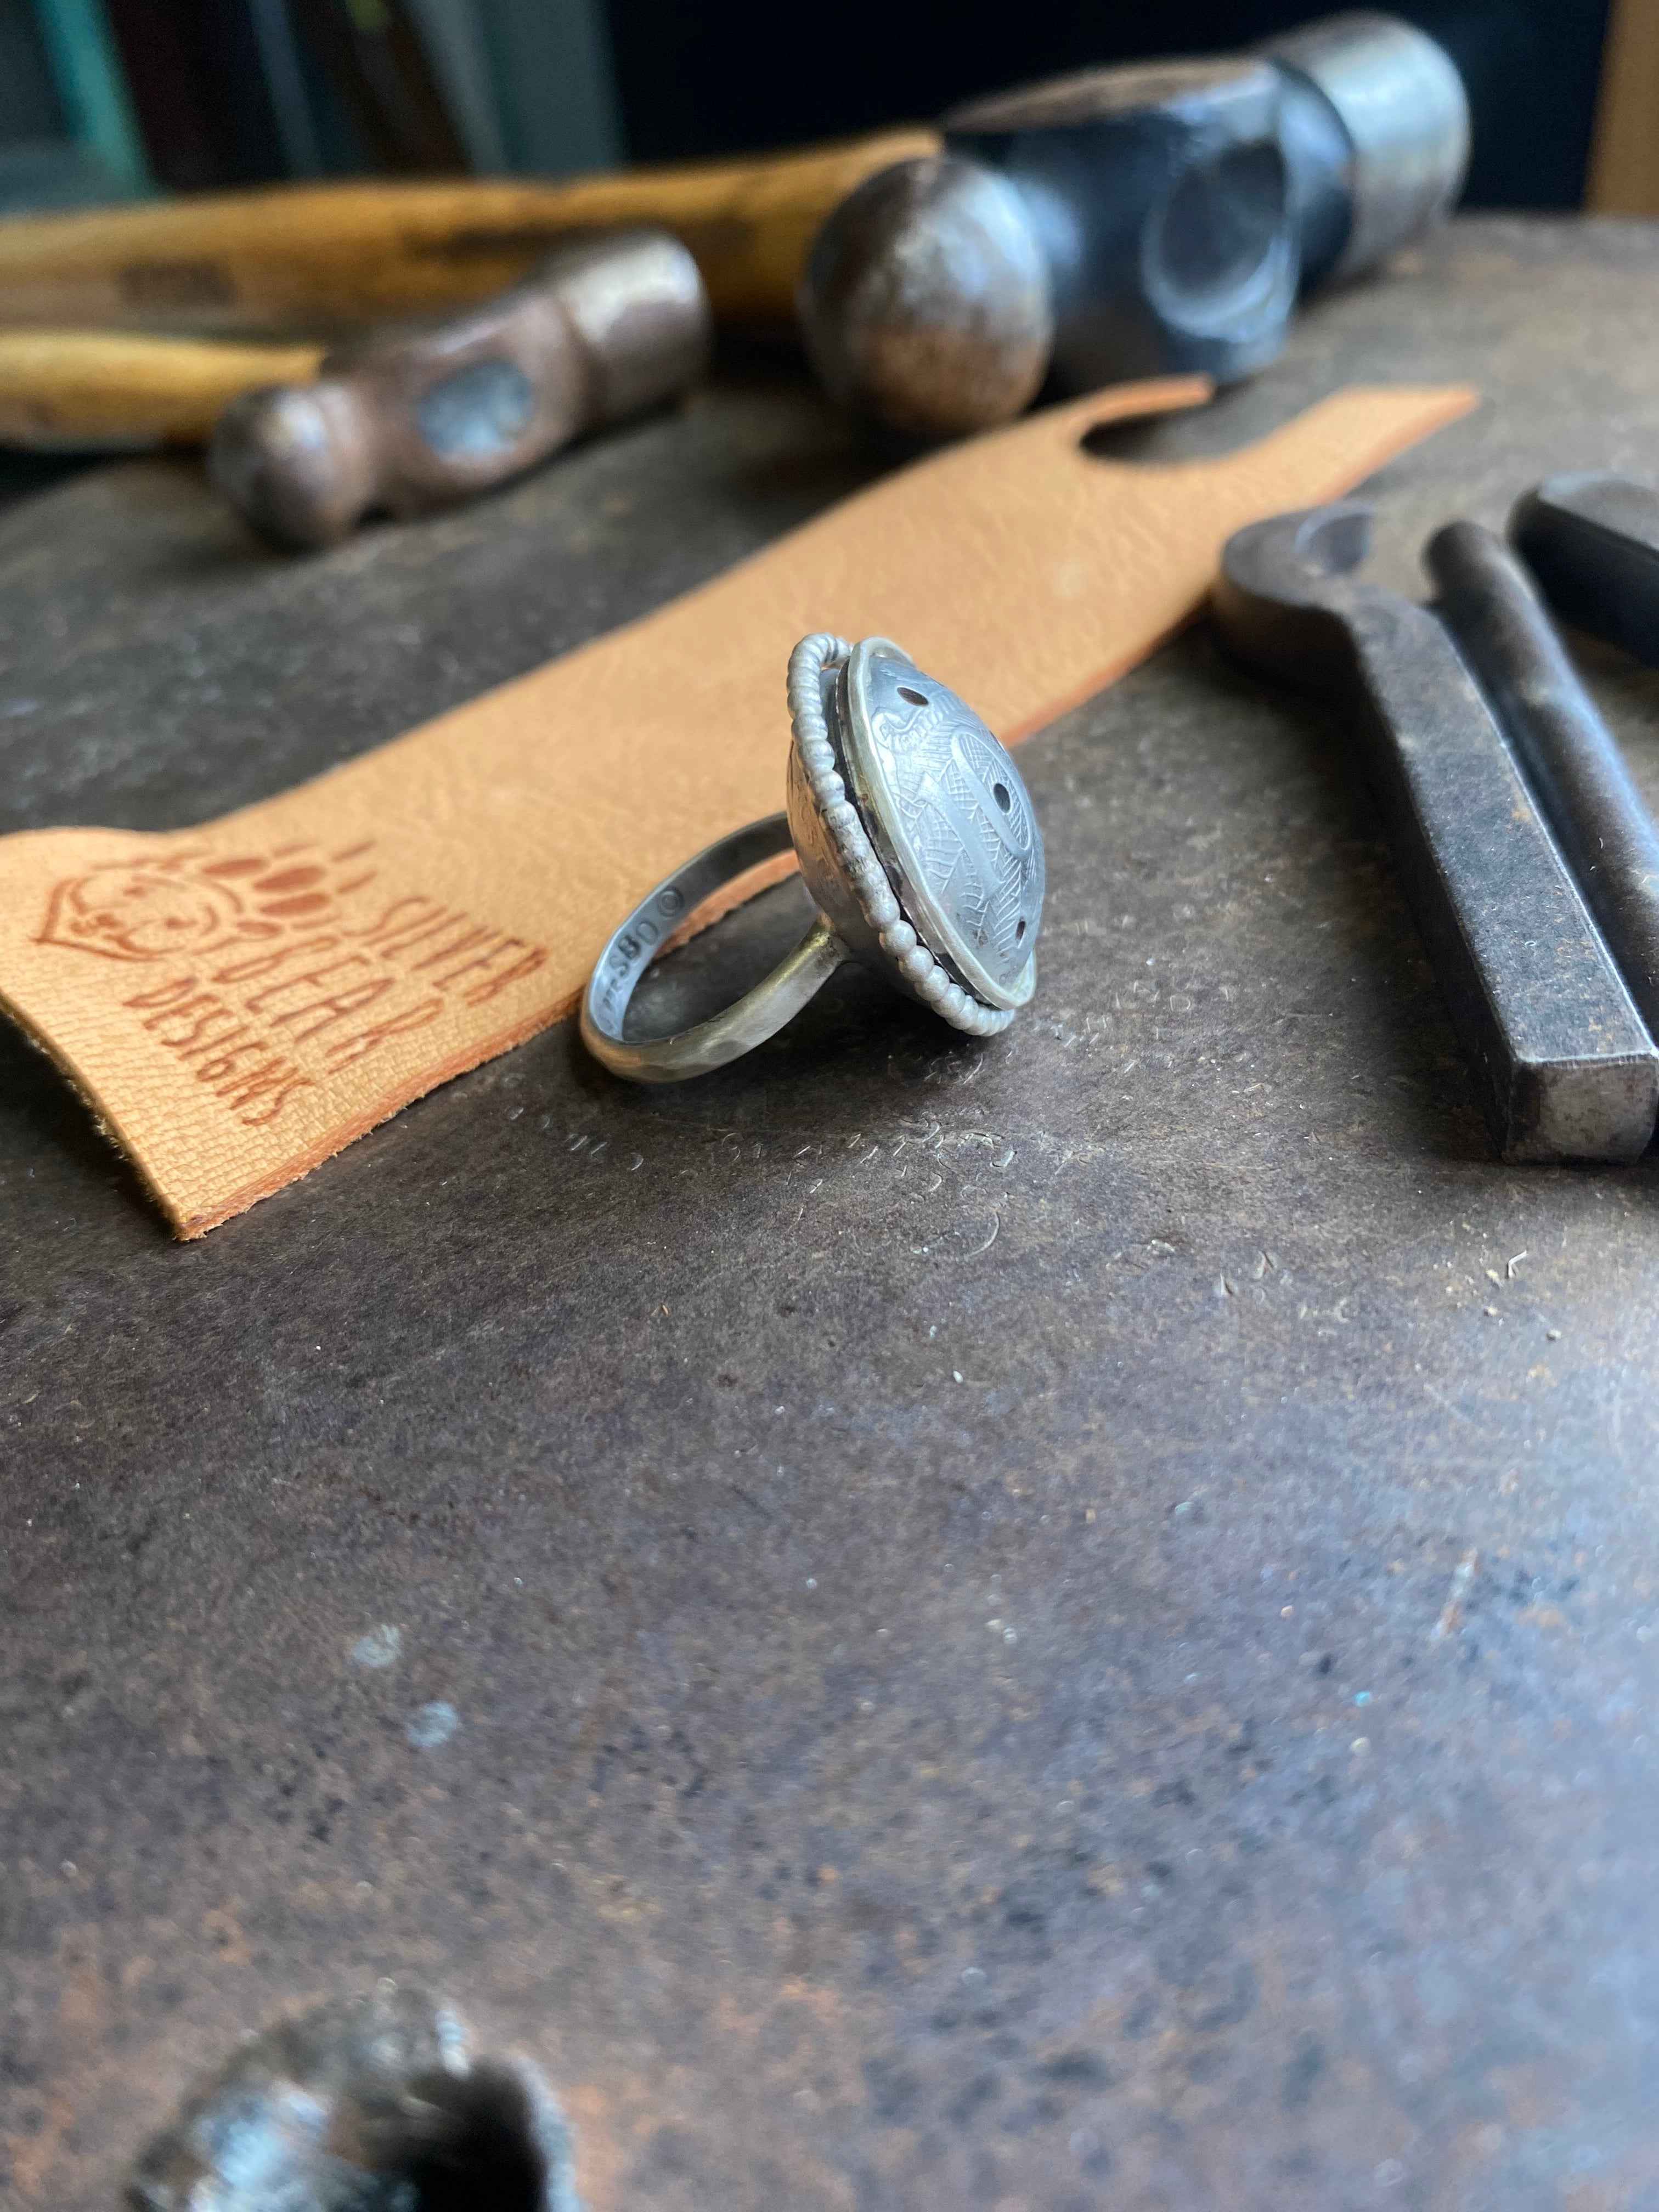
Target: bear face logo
(192, 903)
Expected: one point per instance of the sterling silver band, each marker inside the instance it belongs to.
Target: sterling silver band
(759, 1014)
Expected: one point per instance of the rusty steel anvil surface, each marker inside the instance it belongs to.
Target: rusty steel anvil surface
(1063, 1624)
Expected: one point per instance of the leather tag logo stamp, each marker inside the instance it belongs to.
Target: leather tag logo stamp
(265, 974)
(191, 903)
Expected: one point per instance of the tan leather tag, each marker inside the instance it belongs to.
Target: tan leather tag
(239, 1001)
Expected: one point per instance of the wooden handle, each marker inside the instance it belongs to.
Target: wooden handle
(326, 259)
(70, 389)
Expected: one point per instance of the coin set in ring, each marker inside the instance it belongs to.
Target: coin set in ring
(917, 838)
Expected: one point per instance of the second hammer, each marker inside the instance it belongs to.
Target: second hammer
(424, 417)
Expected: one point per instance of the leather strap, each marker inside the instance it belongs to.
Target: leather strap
(238, 1001)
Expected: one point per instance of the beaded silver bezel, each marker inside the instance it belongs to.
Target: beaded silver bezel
(924, 970)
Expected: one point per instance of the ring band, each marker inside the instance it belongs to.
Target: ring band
(759, 1014)
(917, 838)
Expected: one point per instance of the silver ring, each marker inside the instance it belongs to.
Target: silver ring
(917, 840)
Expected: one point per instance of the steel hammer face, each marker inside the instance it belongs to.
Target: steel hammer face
(1563, 1066)
(925, 302)
(1375, 127)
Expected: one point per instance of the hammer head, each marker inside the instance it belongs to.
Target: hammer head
(1375, 128)
(925, 301)
(420, 417)
(300, 461)
(1161, 195)
(1122, 223)
(1174, 207)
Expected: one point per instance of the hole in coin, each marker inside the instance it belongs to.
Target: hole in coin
(1019, 931)
(463, 2146)
(370, 2105)
(916, 698)
(1001, 792)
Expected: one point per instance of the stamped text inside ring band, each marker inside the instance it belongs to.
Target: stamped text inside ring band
(916, 839)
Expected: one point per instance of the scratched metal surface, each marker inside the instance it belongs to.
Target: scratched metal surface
(1068, 1624)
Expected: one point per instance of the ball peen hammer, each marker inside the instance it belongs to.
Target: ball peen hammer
(1148, 219)
(421, 418)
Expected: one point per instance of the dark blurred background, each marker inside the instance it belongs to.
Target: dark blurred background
(119, 97)
(695, 78)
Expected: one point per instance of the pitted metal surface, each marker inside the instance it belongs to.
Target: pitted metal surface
(1064, 1622)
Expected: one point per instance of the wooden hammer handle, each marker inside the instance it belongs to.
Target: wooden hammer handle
(327, 259)
(70, 390)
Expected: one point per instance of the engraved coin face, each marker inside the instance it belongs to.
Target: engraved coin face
(950, 819)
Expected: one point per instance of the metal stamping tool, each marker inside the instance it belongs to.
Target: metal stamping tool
(1592, 540)
(1156, 217)
(1489, 602)
(421, 418)
(917, 840)
(1562, 1064)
